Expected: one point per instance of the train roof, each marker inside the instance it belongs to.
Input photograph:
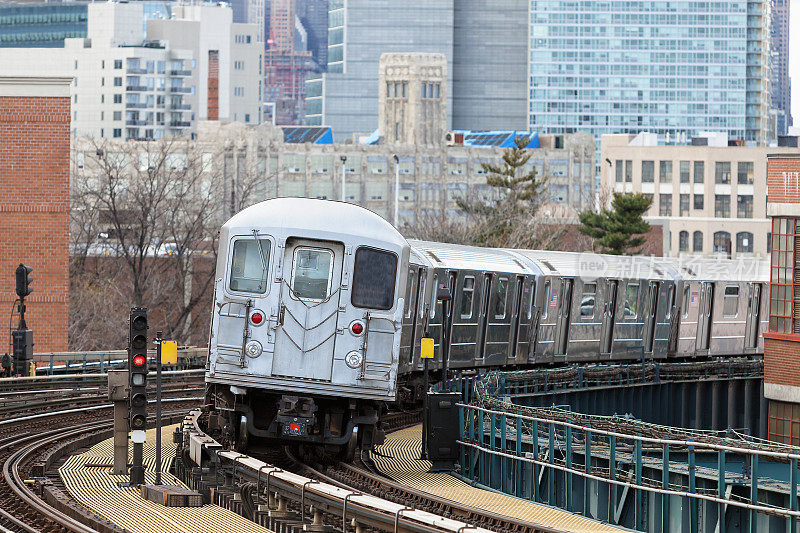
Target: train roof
(696, 268)
(458, 256)
(308, 214)
(590, 265)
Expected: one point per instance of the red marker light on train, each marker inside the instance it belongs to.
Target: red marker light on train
(357, 328)
(256, 318)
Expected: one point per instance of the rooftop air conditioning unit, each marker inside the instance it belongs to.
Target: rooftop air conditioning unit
(453, 138)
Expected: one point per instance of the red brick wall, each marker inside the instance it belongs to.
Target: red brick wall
(213, 85)
(781, 359)
(783, 180)
(34, 213)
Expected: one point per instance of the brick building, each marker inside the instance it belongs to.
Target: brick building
(782, 341)
(34, 210)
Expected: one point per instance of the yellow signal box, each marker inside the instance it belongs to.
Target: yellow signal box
(426, 348)
(169, 352)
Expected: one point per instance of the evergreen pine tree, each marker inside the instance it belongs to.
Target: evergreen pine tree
(616, 230)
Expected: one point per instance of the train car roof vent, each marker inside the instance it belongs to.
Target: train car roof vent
(433, 255)
(523, 267)
(658, 271)
(548, 265)
(689, 270)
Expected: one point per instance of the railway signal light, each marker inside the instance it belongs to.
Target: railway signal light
(24, 280)
(137, 370)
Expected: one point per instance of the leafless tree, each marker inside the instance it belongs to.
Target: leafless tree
(145, 220)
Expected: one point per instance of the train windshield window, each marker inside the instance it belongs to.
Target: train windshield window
(632, 300)
(730, 304)
(502, 296)
(374, 279)
(248, 272)
(467, 293)
(311, 279)
(588, 299)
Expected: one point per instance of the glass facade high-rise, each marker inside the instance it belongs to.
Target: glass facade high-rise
(618, 66)
(41, 25)
(484, 41)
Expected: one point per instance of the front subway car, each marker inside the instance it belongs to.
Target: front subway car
(306, 323)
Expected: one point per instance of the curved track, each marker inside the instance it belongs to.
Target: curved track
(24, 441)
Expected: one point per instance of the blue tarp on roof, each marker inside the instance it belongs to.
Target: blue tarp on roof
(373, 138)
(501, 138)
(307, 134)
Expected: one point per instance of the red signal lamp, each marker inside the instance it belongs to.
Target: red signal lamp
(139, 360)
(357, 328)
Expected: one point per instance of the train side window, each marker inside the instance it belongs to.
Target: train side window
(374, 278)
(502, 296)
(407, 307)
(467, 296)
(670, 302)
(632, 300)
(529, 301)
(434, 286)
(588, 299)
(546, 299)
(685, 302)
(730, 302)
(248, 273)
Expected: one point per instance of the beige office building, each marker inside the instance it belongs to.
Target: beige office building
(709, 197)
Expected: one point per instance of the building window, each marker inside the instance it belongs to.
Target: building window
(744, 242)
(698, 202)
(118, 81)
(684, 205)
(117, 63)
(665, 205)
(628, 170)
(782, 317)
(744, 206)
(699, 172)
(117, 115)
(722, 172)
(618, 170)
(683, 241)
(722, 205)
(697, 241)
(665, 171)
(648, 171)
(117, 132)
(117, 98)
(684, 172)
(784, 422)
(722, 243)
(745, 173)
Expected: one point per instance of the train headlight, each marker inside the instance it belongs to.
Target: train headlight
(354, 359)
(253, 349)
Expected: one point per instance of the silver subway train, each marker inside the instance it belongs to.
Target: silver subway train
(319, 308)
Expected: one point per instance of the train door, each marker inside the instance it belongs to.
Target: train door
(447, 318)
(309, 305)
(516, 319)
(651, 316)
(753, 316)
(563, 320)
(486, 292)
(704, 316)
(609, 316)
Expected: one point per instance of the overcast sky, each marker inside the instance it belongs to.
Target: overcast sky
(794, 57)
